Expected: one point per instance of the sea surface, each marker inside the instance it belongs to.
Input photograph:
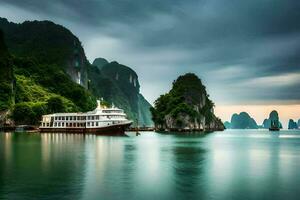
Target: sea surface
(234, 164)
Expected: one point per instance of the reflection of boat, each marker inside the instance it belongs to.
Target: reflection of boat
(102, 120)
(274, 125)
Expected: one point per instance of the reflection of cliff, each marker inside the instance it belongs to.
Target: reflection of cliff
(187, 168)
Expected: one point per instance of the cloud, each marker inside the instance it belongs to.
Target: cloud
(239, 48)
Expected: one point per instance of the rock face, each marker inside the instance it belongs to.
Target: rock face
(292, 124)
(242, 121)
(186, 107)
(100, 62)
(273, 120)
(122, 88)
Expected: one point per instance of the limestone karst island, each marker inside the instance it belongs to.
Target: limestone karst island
(148, 100)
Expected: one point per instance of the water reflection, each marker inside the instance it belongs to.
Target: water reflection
(37, 166)
(188, 167)
(227, 165)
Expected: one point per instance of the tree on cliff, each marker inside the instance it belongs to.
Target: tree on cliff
(55, 105)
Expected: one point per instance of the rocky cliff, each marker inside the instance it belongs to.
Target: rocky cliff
(186, 107)
(241, 121)
(120, 85)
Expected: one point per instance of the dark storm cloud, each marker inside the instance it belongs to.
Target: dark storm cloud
(232, 45)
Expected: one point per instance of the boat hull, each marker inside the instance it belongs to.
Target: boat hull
(117, 129)
(274, 129)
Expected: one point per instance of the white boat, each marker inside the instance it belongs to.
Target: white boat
(102, 120)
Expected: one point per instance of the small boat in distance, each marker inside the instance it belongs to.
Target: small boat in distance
(102, 121)
(274, 125)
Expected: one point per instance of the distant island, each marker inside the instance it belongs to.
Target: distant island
(44, 70)
(241, 121)
(245, 121)
(293, 124)
(186, 107)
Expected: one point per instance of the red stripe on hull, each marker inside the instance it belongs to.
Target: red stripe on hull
(109, 130)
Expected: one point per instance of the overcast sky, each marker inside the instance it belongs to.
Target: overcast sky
(246, 52)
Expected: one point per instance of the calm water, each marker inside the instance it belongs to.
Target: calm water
(221, 165)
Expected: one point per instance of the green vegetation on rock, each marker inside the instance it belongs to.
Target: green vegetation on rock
(34, 73)
(186, 107)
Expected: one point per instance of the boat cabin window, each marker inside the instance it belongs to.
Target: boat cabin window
(97, 117)
(88, 124)
(63, 124)
(97, 124)
(63, 118)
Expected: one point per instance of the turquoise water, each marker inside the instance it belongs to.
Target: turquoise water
(239, 164)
